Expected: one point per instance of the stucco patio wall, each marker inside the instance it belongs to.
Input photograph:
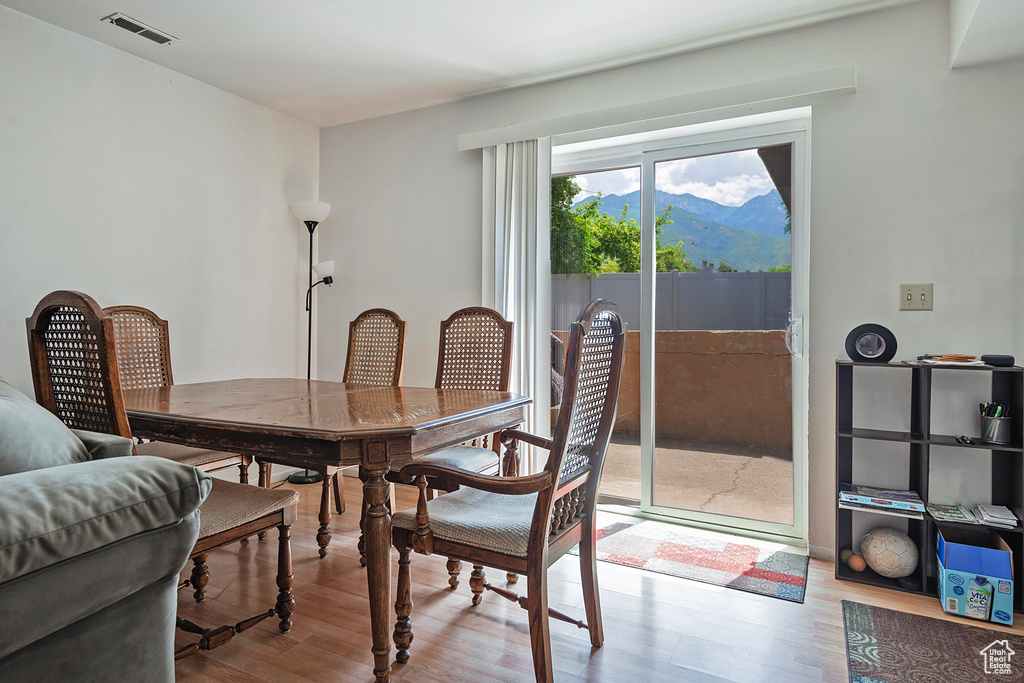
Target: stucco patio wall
(724, 387)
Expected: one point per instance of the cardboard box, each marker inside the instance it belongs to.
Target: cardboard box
(967, 561)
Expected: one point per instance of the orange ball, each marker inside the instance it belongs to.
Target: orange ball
(857, 563)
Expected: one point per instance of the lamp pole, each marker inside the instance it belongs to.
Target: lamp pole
(311, 226)
(311, 214)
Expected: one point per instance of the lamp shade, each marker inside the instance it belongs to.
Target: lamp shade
(324, 269)
(311, 211)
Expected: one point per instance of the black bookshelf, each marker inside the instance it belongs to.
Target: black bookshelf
(1007, 481)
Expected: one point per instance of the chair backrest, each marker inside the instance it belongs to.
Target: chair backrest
(586, 417)
(376, 348)
(74, 368)
(142, 346)
(475, 351)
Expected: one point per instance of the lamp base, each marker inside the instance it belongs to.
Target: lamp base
(305, 477)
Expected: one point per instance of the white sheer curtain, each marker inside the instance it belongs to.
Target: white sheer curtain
(517, 266)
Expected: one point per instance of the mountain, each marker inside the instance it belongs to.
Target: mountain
(747, 237)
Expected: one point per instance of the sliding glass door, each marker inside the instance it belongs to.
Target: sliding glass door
(702, 241)
(723, 437)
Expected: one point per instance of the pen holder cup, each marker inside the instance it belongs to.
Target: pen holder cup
(995, 429)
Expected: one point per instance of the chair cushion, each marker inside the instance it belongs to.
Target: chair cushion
(31, 437)
(472, 458)
(230, 505)
(186, 455)
(60, 512)
(491, 521)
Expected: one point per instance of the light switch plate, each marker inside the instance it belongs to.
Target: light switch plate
(916, 297)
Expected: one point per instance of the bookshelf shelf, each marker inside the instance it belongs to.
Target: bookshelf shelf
(1007, 465)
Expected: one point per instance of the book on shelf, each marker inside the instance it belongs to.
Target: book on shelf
(895, 499)
(893, 512)
(952, 512)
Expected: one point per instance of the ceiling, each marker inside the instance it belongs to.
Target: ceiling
(333, 61)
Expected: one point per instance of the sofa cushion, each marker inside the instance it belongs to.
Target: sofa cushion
(47, 601)
(54, 514)
(31, 437)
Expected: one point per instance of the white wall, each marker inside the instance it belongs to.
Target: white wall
(138, 185)
(915, 178)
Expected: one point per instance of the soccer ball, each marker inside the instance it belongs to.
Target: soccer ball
(889, 552)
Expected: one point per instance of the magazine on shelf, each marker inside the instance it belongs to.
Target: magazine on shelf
(895, 499)
(892, 512)
(996, 515)
(952, 513)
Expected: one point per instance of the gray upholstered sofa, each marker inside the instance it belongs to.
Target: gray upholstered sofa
(91, 544)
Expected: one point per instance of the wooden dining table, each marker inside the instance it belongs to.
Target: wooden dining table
(327, 425)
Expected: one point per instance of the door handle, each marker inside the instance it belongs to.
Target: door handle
(794, 337)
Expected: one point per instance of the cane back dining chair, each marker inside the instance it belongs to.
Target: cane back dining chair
(143, 350)
(75, 374)
(474, 352)
(524, 524)
(376, 350)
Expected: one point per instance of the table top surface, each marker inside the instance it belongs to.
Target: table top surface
(315, 407)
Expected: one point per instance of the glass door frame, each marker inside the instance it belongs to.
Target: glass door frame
(797, 133)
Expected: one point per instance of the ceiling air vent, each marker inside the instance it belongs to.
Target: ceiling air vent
(139, 29)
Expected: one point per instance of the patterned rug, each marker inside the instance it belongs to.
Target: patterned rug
(705, 556)
(885, 646)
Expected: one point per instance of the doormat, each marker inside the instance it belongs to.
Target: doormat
(885, 646)
(708, 557)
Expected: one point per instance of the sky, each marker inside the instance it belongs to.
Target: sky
(731, 179)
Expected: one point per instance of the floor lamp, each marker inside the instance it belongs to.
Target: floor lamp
(312, 214)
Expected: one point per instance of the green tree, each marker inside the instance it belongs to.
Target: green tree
(586, 240)
(724, 267)
(573, 246)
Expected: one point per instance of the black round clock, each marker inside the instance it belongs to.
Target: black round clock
(871, 343)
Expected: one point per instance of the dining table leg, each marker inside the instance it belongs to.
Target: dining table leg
(323, 534)
(377, 542)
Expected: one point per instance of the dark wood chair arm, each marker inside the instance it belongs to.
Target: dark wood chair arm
(513, 486)
(533, 439)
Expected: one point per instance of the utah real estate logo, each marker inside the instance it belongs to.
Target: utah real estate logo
(997, 657)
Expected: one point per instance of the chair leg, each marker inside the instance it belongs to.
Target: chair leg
(243, 469)
(264, 482)
(200, 576)
(540, 632)
(285, 601)
(476, 583)
(339, 493)
(454, 567)
(588, 571)
(323, 535)
(403, 606)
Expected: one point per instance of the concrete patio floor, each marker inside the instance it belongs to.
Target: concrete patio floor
(721, 479)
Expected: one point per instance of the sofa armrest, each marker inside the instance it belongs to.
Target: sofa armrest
(102, 446)
(53, 514)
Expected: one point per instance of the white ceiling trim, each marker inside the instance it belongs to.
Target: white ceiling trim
(778, 93)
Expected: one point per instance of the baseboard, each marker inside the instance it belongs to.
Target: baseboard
(822, 552)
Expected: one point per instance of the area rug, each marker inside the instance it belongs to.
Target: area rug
(718, 559)
(885, 646)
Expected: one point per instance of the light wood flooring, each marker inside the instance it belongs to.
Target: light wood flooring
(657, 628)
